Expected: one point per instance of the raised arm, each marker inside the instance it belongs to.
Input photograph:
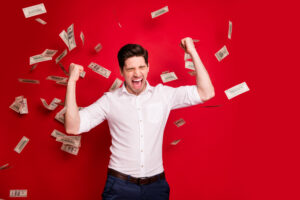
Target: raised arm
(204, 85)
(72, 119)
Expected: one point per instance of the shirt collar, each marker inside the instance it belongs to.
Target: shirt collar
(149, 88)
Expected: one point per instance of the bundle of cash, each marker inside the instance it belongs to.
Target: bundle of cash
(167, 77)
(99, 69)
(179, 122)
(34, 10)
(98, 47)
(21, 145)
(52, 105)
(18, 193)
(82, 74)
(236, 90)
(229, 29)
(20, 105)
(189, 65)
(70, 144)
(175, 142)
(222, 53)
(69, 37)
(159, 12)
(41, 21)
(116, 84)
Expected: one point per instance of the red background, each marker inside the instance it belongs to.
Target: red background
(245, 149)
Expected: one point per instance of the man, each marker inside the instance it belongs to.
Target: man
(137, 114)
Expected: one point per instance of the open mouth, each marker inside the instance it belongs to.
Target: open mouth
(137, 83)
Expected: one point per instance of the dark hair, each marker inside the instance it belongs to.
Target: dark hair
(130, 50)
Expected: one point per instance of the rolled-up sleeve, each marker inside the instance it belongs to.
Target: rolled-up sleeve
(182, 96)
(94, 114)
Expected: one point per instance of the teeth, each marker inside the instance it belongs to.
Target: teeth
(137, 80)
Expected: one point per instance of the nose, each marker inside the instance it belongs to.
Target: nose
(137, 72)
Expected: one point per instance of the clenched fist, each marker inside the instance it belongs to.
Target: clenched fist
(188, 45)
(75, 71)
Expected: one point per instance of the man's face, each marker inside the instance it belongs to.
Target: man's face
(135, 73)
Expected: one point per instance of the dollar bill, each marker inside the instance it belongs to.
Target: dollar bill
(49, 53)
(196, 40)
(192, 73)
(82, 74)
(98, 47)
(99, 69)
(33, 67)
(236, 90)
(70, 140)
(229, 29)
(175, 142)
(21, 145)
(60, 116)
(41, 21)
(55, 133)
(57, 78)
(38, 58)
(71, 37)
(70, 149)
(52, 105)
(24, 107)
(22, 80)
(34, 10)
(64, 36)
(222, 53)
(63, 54)
(187, 56)
(160, 12)
(63, 68)
(189, 65)
(17, 193)
(6, 166)
(116, 84)
(167, 77)
(64, 83)
(82, 38)
(20, 105)
(179, 122)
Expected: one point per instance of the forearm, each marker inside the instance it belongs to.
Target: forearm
(72, 119)
(204, 85)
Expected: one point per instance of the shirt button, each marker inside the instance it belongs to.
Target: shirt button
(141, 135)
(142, 150)
(140, 120)
(142, 166)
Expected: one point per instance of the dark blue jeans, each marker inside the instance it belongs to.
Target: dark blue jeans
(118, 189)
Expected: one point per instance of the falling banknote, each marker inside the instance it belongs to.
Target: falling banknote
(18, 193)
(34, 10)
(179, 122)
(160, 12)
(52, 105)
(82, 38)
(70, 149)
(69, 140)
(189, 65)
(99, 69)
(22, 80)
(117, 83)
(222, 53)
(175, 142)
(63, 54)
(236, 90)
(20, 105)
(21, 145)
(39, 20)
(229, 30)
(98, 47)
(167, 77)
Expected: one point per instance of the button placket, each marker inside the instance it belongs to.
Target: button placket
(141, 134)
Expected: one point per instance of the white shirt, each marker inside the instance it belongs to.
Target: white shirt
(137, 124)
